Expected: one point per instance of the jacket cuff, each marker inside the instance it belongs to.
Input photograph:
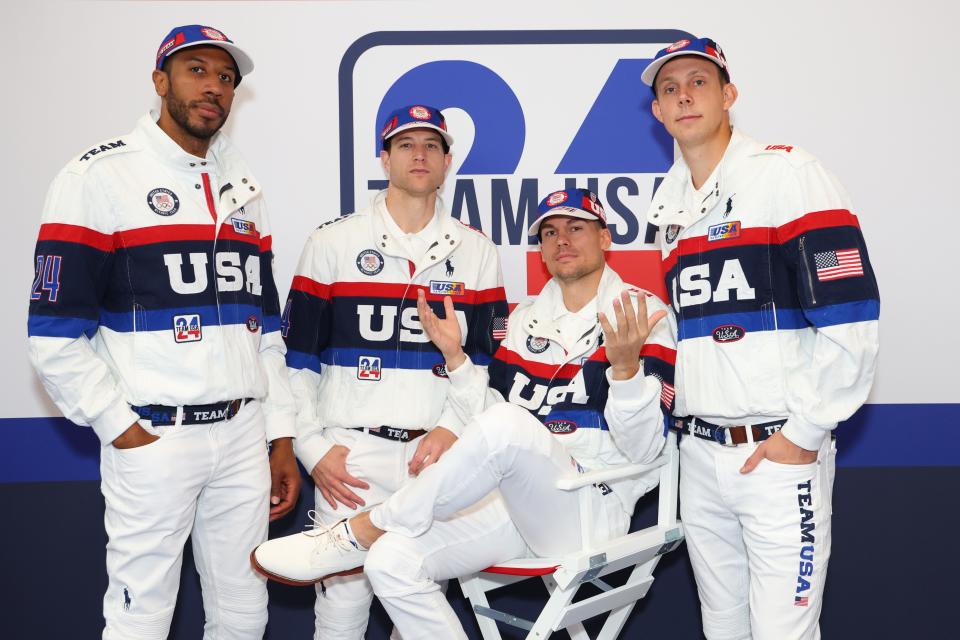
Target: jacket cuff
(280, 425)
(116, 419)
(804, 434)
(463, 376)
(449, 420)
(310, 449)
(637, 391)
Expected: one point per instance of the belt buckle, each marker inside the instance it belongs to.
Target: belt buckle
(720, 436)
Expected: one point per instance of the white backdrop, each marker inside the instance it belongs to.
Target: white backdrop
(869, 87)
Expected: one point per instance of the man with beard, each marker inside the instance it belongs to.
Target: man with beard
(154, 319)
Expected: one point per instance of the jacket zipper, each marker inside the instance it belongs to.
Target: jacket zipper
(211, 207)
(806, 269)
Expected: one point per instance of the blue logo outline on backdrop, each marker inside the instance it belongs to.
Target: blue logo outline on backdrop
(385, 38)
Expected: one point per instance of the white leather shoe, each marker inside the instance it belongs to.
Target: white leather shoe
(308, 557)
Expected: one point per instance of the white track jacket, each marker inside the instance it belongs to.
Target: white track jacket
(356, 352)
(154, 285)
(776, 302)
(601, 422)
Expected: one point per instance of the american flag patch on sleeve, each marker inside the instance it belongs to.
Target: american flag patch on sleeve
(666, 394)
(834, 265)
(499, 328)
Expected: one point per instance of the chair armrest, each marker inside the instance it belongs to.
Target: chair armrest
(618, 472)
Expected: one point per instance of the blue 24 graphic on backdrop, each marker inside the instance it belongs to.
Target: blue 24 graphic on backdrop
(616, 140)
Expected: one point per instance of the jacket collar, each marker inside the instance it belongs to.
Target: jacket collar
(237, 185)
(448, 238)
(540, 323)
(677, 203)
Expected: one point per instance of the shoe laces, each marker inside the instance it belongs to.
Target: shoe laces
(315, 526)
(328, 536)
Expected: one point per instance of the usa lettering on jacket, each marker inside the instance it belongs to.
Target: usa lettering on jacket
(233, 272)
(377, 323)
(694, 285)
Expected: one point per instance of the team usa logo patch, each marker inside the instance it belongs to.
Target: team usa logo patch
(253, 323)
(560, 427)
(556, 198)
(213, 34)
(368, 368)
(163, 201)
(724, 231)
(679, 44)
(370, 262)
(440, 370)
(420, 113)
(728, 333)
(187, 328)
(245, 228)
(670, 235)
(536, 344)
(447, 288)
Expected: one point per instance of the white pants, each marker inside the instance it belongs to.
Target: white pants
(758, 542)
(447, 523)
(209, 480)
(342, 607)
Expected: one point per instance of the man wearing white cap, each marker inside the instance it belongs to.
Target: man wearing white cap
(584, 370)
(777, 311)
(154, 319)
(371, 390)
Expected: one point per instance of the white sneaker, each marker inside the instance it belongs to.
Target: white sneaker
(310, 556)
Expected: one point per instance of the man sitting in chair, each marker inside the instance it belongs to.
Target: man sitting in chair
(584, 369)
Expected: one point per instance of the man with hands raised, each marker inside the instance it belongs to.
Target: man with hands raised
(584, 368)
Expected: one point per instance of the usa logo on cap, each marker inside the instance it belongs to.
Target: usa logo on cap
(556, 198)
(703, 47)
(415, 116)
(420, 113)
(213, 34)
(195, 35)
(574, 203)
